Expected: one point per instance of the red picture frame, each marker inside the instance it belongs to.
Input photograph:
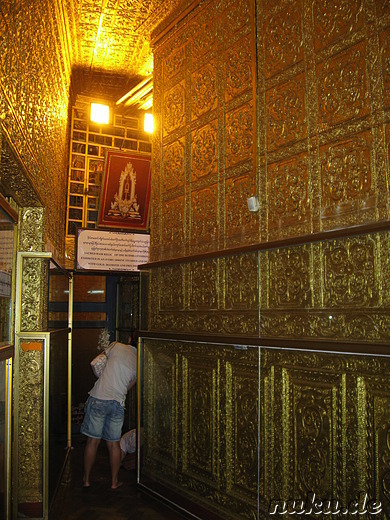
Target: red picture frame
(125, 191)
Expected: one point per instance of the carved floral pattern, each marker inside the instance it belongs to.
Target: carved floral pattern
(288, 192)
(286, 118)
(174, 63)
(174, 108)
(334, 19)
(238, 219)
(241, 285)
(204, 151)
(173, 165)
(203, 279)
(238, 69)
(385, 59)
(204, 90)
(350, 273)
(342, 87)
(289, 278)
(173, 222)
(346, 171)
(204, 214)
(239, 135)
(283, 39)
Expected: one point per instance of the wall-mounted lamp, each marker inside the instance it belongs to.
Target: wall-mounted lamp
(148, 123)
(100, 113)
(253, 204)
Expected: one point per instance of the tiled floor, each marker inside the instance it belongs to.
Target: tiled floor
(99, 502)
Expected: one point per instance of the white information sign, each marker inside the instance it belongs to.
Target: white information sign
(111, 250)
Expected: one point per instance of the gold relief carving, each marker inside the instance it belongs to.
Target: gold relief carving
(238, 69)
(385, 60)
(203, 432)
(334, 324)
(343, 87)
(241, 282)
(171, 291)
(240, 222)
(204, 151)
(203, 90)
(288, 192)
(289, 278)
(335, 19)
(350, 273)
(382, 7)
(346, 174)
(204, 37)
(32, 226)
(174, 63)
(238, 14)
(173, 166)
(283, 39)
(204, 215)
(30, 430)
(32, 295)
(173, 224)
(160, 420)
(203, 285)
(314, 415)
(200, 414)
(286, 118)
(242, 426)
(174, 108)
(239, 135)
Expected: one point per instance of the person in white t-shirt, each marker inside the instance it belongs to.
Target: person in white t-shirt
(104, 412)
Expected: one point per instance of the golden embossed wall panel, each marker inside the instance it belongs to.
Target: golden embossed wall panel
(313, 144)
(34, 92)
(200, 433)
(320, 67)
(205, 104)
(325, 426)
(213, 296)
(336, 289)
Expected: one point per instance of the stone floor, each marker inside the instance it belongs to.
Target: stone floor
(99, 502)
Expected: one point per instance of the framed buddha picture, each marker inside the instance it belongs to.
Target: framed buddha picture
(125, 191)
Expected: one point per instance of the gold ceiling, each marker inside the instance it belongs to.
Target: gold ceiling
(110, 42)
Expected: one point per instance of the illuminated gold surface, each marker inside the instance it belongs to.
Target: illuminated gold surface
(200, 430)
(313, 145)
(28, 375)
(324, 422)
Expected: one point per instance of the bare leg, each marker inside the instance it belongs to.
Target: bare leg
(114, 451)
(89, 458)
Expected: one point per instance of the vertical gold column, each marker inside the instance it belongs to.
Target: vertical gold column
(29, 376)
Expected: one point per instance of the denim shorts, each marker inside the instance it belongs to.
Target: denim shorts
(103, 419)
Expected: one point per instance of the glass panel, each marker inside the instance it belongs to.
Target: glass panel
(195, 425)
(90, 289)
(76, 214)
(92, 216)
(78, 161)
(77, 175)
(76, 187)
(89, 316)
(2, 436)
(6, 253)
(92, 203)
(72, 227)
(58, 406)
(74, 200)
